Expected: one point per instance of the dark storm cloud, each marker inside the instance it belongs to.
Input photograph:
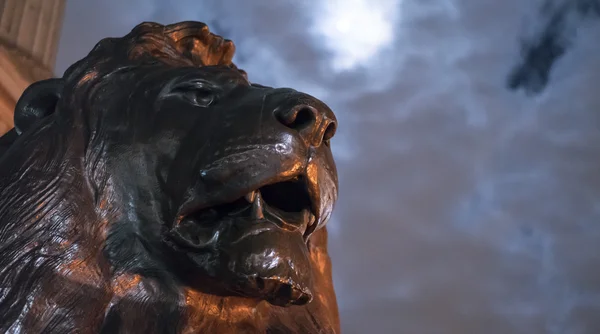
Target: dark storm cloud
(541, 51)
(465, 207)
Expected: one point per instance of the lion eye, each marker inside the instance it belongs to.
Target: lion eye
(201, 97)
(195, 94)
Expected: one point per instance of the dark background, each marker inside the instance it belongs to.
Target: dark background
(468, 148)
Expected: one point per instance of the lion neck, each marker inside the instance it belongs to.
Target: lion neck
(178, 309)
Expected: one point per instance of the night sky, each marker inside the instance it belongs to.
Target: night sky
(468, 148)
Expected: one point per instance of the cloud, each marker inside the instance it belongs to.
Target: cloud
(487, 190)
(549, 42)
(355, 31)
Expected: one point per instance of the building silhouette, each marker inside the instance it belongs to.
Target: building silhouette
(29, 34)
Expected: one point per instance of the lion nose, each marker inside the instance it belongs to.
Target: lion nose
(313, 125)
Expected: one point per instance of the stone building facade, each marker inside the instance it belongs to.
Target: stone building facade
(29, 34)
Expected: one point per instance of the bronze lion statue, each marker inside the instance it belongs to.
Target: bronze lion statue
(154, 189)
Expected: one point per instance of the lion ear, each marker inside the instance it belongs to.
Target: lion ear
(37, 101)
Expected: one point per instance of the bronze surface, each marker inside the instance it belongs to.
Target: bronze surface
(154, 189)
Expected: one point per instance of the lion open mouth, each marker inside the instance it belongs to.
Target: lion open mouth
(260, 218)
(287, 204)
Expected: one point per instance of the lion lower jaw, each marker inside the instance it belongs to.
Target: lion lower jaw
(247, 261)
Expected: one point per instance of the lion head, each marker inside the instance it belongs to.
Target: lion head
(154, 188)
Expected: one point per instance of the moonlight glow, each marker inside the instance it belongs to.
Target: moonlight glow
(356, 30)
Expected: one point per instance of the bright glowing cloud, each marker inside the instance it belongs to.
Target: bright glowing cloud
(356, 30)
